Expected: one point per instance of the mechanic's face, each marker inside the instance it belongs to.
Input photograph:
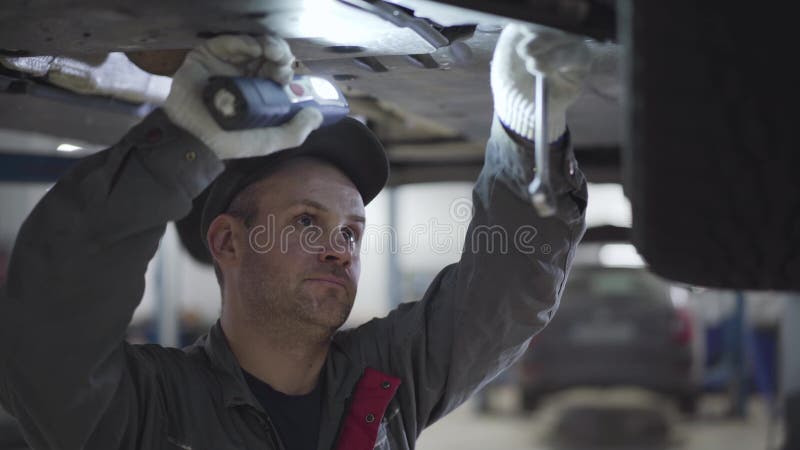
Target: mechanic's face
(301, 263)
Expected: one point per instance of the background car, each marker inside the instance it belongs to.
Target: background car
(616, 326)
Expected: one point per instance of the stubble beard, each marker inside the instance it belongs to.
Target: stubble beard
(281, 309)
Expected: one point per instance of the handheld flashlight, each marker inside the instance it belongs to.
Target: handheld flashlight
(240, 103)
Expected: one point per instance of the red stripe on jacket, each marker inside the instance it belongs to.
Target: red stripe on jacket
(370, 399)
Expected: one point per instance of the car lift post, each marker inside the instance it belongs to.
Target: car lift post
(168, 292)
(790, 370)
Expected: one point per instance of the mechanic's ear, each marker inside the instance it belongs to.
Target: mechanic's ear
(221, 239)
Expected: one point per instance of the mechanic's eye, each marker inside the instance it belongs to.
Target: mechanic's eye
(349, 235)
(305, 220)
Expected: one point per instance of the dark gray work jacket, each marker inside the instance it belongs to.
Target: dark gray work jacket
(77, 274)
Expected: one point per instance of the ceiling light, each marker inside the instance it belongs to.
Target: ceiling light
(68, 148)
(620, 255)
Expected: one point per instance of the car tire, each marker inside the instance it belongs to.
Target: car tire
(688, 404)
(484, 401)
(710, 159)
(792, 421)
(530, 401)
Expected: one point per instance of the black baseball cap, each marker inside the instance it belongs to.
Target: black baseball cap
(348, 144)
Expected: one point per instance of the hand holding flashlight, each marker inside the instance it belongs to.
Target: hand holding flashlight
(246, 130)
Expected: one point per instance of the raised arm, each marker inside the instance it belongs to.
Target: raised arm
(478, 315)
(77, 269)
(77, 274)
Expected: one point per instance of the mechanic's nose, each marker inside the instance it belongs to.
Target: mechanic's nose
(343, 258)
(339, 250)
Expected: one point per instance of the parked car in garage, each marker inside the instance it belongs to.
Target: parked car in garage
(617, 326)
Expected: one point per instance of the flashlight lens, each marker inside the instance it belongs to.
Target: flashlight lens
(324, 88)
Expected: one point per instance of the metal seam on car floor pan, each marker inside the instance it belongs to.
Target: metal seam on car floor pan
(398, 16)
(424, 60)
(370, 63)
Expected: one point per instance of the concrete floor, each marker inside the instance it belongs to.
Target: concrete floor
(621, 419)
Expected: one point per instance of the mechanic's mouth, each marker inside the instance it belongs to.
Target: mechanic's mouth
(331, 281)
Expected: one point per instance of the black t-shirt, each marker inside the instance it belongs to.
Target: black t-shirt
(296, 417)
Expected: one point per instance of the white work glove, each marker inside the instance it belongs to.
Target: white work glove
(524, 50)
(267, 57)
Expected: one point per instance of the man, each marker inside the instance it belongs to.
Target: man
(274, 372)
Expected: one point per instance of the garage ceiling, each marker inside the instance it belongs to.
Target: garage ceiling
(421, 80)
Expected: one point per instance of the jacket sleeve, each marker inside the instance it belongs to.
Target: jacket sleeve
(75, 277)
(478, 315)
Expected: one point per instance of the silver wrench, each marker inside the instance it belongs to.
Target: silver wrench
(541, 189)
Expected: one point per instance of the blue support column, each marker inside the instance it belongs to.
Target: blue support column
(19, 167)
(739, 375)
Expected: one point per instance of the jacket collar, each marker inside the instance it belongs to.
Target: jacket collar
(235, 391)
(340, 378)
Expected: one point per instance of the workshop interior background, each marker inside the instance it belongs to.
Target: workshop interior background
(67, 95)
